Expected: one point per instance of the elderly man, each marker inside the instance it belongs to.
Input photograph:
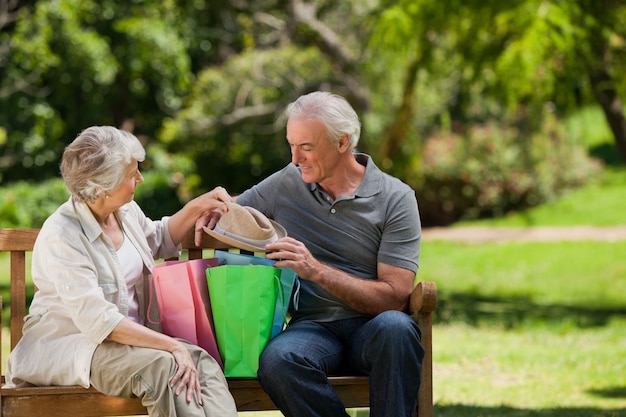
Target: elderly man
(354, 241)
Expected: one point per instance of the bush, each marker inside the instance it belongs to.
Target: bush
(25, 205)
(491, 170)
(157, 196)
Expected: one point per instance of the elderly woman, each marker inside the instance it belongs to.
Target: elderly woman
(91, 263)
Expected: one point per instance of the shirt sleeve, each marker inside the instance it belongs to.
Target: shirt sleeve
(73, 276)
(401, 239)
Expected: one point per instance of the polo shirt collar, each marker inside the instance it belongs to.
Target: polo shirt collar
(372, 180)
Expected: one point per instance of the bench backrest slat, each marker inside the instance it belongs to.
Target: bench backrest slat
(17, 242)
(18, 295)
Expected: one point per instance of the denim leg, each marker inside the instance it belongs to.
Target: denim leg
(389, 350)
(293, 369)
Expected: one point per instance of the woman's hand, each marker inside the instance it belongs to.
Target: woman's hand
(210, 217)
(128, 332)
(186, 377)
(204, 208)
(212, 201)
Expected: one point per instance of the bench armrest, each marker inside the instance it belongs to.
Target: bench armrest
(423, 299)
(422, 303)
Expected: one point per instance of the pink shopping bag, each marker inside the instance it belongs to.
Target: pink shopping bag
(183, 302)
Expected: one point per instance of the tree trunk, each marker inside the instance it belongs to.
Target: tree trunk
(604, 90)
(599, 67)
(399, 129)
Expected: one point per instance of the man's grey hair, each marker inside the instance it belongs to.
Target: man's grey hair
(332, 110)
(97, 161)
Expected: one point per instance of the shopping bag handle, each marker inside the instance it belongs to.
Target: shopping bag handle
(279, 289)
(150, 296)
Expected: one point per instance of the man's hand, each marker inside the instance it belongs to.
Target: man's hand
(389, 291)
(291, 253)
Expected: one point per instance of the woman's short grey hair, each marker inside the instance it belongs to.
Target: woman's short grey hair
(97, 161)
(332, 110)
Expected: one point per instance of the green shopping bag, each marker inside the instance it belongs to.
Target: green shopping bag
(243, 300)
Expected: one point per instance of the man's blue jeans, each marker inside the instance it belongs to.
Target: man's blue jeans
(294, 365)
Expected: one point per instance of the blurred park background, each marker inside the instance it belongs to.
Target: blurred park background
(495, 112)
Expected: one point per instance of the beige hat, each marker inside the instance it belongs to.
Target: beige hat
(246, 228)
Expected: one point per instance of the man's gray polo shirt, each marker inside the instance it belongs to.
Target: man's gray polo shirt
(379, 223)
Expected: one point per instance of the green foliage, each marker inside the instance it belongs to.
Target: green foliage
(45, 38)
(232, 126)
(25, 205)
(537, 58)
(209, 80)
(75, 63)
(169, 182)
(575, 207)
(491, 170)
(170, 69)
(157, 195)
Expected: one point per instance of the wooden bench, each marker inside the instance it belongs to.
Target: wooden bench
(76, 401)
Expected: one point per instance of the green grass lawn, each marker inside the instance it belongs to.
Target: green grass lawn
(544, 370)
(582, 275)
(526, 329)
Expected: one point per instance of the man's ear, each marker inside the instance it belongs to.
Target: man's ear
(344, 143)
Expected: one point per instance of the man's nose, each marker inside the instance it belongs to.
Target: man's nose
(295, 156)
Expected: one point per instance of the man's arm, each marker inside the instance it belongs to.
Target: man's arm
(390, 291)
